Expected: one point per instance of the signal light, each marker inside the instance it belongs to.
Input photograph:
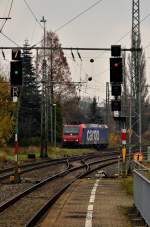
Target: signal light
(115, 50)
(116, 70)
(115, 105)
(116, 89)
(16, 73)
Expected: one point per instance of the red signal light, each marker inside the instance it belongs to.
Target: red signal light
(116, 70)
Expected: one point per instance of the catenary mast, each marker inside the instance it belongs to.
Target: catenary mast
(135, 116)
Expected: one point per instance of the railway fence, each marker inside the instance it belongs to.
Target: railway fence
(141, 190)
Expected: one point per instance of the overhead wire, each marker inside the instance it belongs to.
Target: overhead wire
(87, 86)
(7, 37)
(74, 18)
(68, 22)
(6, 7)
(72, 56)
(65, 24)
(144, 18)
(71, 20)
(7, 16)
(125, 35)
(12, 41)
(78, 15)
(33, 14)
(3, 55)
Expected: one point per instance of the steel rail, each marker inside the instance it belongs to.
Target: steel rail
(17, 197)
(5, 173)
(52, 200)
(29, 167)
(72, 158)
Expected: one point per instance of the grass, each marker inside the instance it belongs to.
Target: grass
(128, 185)
(65, 152)
(53, 153)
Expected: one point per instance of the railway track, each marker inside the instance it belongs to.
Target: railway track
(33, 202)
(29, 167)
(5, 173)
(37, 174)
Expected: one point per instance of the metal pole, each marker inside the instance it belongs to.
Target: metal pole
(16, 172)
(119, 165)
(51, 92)
(140, 120)
(109, 117)
(44, 123)
(107, 103)
(135, 76)
(130, 126)
(54, 125)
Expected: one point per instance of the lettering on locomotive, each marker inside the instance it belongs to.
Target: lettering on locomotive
(93, 135)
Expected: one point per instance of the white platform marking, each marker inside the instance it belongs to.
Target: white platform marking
(89, 215)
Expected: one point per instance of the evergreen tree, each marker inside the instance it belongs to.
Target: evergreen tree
(29, 109)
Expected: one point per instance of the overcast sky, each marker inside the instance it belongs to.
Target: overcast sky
(101, 26)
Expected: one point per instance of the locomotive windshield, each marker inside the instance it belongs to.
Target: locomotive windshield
(71, 130)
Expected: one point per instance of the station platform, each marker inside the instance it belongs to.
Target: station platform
(91, 202)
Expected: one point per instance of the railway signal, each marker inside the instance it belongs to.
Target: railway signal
(116, 89)
(116, 70)
(15, 91)
(123, 136)
(115, 50)
(16, 81)
(16, 68)
(116, 76)
(124, 151)
(120, 118)
(16, 55)
(16, 73)
(115, 105)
